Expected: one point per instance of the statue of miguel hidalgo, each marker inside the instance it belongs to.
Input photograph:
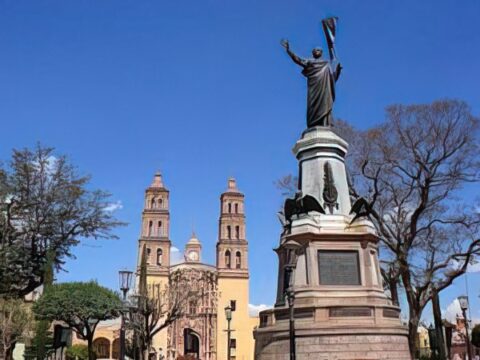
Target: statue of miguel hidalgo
(321, 77)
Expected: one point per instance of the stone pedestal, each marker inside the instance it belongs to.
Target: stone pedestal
(340, 309)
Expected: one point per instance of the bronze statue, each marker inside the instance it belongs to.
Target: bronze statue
(321, 77)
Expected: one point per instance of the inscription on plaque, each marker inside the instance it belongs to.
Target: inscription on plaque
(350, 311)
(338, 267)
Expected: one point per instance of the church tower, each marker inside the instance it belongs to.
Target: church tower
(155, 229)
(232, 247)
(232, 267)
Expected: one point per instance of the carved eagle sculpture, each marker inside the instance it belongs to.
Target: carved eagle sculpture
(301, 205)
(360, 208)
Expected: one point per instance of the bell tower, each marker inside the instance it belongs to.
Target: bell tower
(155, 233)
(232, 246)
(232, 268)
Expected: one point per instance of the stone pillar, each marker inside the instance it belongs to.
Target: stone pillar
(317, 147)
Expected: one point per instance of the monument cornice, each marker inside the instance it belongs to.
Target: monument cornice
(306, 237)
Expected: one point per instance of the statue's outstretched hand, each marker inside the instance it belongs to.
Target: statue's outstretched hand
(285, 44)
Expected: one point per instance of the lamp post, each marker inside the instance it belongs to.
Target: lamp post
(125, 278)
(432, 338)
(292, 248)
(463, 300)
(228, 315)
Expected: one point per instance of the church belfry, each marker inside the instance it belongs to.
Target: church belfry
(232, 269)
(155, 227)
(232, 246)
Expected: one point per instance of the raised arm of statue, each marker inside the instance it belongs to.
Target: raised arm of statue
(296, 59)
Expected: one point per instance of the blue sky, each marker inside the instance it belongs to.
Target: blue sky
(202, 91)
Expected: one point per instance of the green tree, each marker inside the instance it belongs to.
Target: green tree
(77, 352)
(45, 206)
(42, 343)
(81, 305)
(15, 318)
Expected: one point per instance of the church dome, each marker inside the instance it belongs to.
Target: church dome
(193, 240)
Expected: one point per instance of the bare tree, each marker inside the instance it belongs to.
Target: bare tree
(45, 206)
(158, 305)
(414, 167)
(15, 319)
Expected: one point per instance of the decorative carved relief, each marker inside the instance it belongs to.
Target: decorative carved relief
(330, 193)
(203, 319)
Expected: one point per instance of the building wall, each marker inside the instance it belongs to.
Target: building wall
(160, 339)
(242, 323)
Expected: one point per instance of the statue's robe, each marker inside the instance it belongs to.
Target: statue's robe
(321, 91)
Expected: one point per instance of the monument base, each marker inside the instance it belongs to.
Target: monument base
(336, 347)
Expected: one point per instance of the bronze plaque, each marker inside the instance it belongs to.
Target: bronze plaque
(337, 267)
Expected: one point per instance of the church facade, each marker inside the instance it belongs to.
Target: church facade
(201, 330)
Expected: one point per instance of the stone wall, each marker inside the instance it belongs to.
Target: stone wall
(340, 347)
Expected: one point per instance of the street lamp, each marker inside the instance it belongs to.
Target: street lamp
(125, 278)
(463, 300)
(292, 248)
(432, 338)
(228, 316)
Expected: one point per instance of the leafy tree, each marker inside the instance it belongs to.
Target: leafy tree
(77, 352)
(42, 343)
(45, 206)
(412, 170)
(15, 318)
(81, 305)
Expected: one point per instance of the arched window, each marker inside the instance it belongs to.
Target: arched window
(160, 203)
(229, 208)
(149, 253)
(159, 256)
(236, 208)
(101, 347)
(150, 227)
(238, 260)
(229, 232)
(116, 349)
(237, 232)
(228, 263)
(153, 204)
(159, 230)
